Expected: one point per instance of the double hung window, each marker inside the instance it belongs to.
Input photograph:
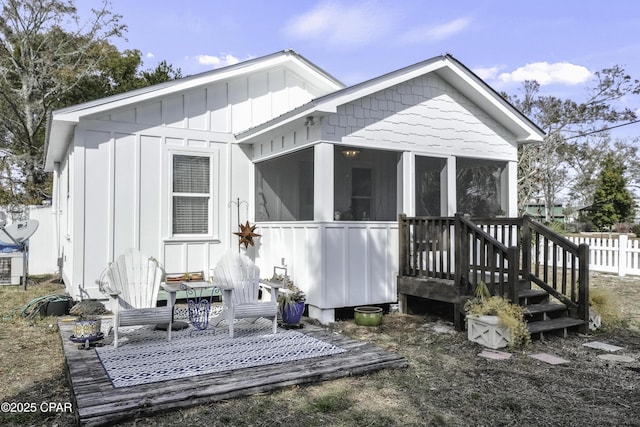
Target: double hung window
(191, 195)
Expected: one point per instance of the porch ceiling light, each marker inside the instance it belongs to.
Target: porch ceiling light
(309, 121)
(350, 153)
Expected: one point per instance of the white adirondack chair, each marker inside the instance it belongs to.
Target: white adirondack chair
(239, 279)
(133, 282)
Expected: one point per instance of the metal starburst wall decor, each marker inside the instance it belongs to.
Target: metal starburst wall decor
(246, 234)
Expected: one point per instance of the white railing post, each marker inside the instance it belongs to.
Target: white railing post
(623, 241)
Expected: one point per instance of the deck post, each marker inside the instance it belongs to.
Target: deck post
(403, 244)
(525, 244)
(460, 279)
(513, 255)
(461, 253)
(583, 286)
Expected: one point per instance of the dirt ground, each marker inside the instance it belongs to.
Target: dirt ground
(446, 384)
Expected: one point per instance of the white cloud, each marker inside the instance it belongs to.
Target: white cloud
(149, 55)
(545, 73)
(217, 61)
(438, 32)
(487, 73)
(341, 25)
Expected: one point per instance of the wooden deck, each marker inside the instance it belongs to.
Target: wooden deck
(445, 258)
(97, 402)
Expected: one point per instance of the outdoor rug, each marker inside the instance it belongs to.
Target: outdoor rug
(145, 356)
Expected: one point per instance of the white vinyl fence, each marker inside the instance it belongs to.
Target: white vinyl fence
(620, 256)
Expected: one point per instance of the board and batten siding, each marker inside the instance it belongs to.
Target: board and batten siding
(123, 200)
(337, 264)
(64, 191)
(229, 106)
(120, 171)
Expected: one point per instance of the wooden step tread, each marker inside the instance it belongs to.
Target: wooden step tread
(553, 324)
(547, 307)
(528, 293)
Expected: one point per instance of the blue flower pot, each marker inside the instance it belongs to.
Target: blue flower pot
(292, 313)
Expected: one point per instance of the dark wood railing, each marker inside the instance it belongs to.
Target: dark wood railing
(558, 266)
(427, 247)
(492, 250)
(487, 259)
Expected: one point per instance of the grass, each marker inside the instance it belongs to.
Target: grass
(31, 359)
(446, 383)
(23, 340)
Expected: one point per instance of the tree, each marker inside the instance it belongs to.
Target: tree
(117, 73)
(162, 73)
(39, 63)
(585, 160)
(547, 169)
(44, 67)
(612, 202)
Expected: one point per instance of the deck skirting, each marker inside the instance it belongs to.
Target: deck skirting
(429, 287)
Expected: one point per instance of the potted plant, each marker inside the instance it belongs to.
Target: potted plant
(291, 301)
(88, 324)
(494, 321)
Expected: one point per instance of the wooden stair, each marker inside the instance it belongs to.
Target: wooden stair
(554, 325)
(544, 316)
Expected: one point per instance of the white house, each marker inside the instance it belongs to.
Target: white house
(322, 169)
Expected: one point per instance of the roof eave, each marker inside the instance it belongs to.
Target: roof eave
(62, 122)
(523, 129)
(57, 141)
(73, 113)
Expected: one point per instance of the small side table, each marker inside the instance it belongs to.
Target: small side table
(199, 306)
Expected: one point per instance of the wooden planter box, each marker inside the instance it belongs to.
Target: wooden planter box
(487, 331)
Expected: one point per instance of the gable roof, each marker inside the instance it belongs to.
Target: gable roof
(61, 123)
(447, 67)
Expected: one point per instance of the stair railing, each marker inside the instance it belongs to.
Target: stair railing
(557, 265)
(457, 249)
(500, 251)
(482, 257)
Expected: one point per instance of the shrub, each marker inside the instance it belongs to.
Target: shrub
(604, 303)
(636, 230)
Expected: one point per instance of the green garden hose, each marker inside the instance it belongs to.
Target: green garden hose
(31, 309)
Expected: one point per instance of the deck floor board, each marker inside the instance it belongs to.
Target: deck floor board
(97, 402)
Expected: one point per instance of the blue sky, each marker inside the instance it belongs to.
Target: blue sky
(559, 43)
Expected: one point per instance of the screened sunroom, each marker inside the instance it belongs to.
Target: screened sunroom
(329, 212)
(364, 186)
(481, 187)
(284, 187)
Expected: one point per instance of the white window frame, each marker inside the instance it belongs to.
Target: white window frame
(212, 220)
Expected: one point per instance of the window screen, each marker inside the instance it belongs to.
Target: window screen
(479, 186)
(284, 188)
(191, 194)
